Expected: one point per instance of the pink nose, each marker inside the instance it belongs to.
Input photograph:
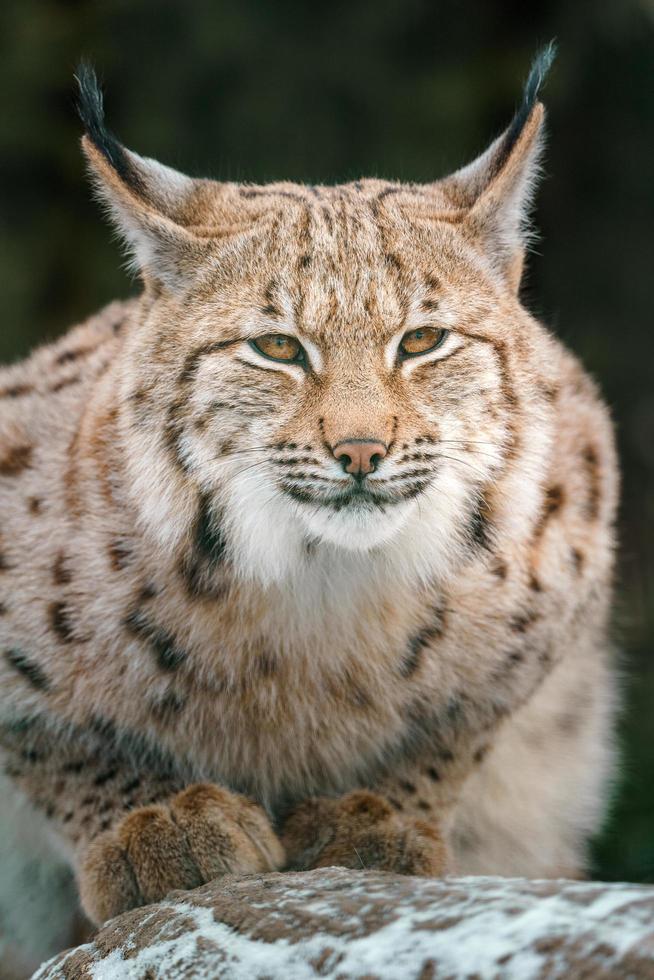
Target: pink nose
(359, 456)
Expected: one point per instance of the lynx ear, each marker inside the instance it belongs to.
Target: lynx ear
(496, 190)
(146, 200)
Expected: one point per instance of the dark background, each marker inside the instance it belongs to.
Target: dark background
(247, 89)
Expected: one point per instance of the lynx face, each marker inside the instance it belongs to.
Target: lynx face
(333, 364)
(343, 397)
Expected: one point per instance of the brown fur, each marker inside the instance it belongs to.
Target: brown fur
(191, 600)
(361, 830)
(201, 833)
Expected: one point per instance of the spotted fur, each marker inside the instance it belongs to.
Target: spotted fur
(194, 593)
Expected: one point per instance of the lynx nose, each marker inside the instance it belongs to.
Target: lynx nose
(359, 456)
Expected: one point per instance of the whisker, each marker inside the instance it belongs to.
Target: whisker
(307, 477)
(252, 466)
(248, 449)
(412, 474)
(424, 456)
(526, 453)
(464, 462)
(297, 461)
(472, 442)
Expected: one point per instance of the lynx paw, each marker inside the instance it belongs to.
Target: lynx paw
(361, 830)
(201, 833)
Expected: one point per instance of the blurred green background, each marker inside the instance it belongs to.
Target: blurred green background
(247, 89)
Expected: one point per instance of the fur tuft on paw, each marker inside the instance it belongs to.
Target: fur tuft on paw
(361, 830)
(200, 834)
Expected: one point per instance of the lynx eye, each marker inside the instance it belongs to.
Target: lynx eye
(279, 347)
(421, 341)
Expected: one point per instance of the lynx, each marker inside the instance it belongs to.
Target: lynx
(307, 551)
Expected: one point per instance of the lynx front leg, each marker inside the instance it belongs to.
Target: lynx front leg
(401, 823)
(135, 830)
(362, 830)
(199, 834)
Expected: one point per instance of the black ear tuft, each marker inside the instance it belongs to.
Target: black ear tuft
(539, 69)
(90, 107)
(541, 66)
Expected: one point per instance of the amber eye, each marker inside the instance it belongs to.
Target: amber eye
(421, 341)
(279, 347)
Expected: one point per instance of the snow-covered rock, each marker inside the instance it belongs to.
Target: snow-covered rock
(343, 924)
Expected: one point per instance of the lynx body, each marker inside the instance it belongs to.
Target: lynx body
(306, 552)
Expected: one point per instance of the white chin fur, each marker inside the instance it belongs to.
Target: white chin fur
(268, 534)
(355, 529)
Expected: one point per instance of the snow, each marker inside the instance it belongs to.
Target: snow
(488, 927)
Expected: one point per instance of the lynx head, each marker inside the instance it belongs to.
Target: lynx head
(323, 368)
